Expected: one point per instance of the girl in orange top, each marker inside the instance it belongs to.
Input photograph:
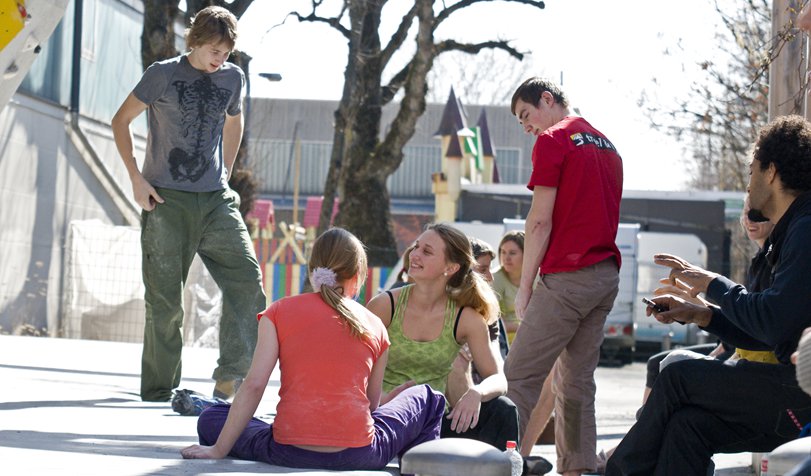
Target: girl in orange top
(332, 353)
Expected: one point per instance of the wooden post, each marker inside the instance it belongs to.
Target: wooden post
(296, 180)
(786, 72)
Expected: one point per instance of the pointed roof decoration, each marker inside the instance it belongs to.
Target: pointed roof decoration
(454, 149)
(453, 118)
(484, 135)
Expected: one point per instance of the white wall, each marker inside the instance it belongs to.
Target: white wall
(44, 184)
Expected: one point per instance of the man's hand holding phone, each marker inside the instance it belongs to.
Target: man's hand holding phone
(652, 306)
(669, 309)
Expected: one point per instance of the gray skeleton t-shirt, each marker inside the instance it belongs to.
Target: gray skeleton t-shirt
(186, 112)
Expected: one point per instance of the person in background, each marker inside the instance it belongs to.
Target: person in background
(195, 128)
(484, 256)
(332, 353)
(507, 278)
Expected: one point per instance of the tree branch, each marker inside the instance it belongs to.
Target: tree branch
(237, 7)
(448, 11)
(453, 45)
(334, 22)
(398, 38)
(390, 90)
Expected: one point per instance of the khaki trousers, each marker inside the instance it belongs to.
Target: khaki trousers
(565, 319)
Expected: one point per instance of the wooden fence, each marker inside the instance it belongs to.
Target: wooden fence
(286, 277)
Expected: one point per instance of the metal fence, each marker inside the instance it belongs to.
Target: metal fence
(104, 292)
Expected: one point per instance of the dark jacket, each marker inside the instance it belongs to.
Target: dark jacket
(774, 318)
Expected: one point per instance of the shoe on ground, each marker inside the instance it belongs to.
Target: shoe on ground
(226, 389)
(191, 403)
(536, 465)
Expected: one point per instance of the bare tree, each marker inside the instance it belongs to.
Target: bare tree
(489, 78)
(720, 116)
(361, 161)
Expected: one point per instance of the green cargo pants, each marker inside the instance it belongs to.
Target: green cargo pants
(209, 224)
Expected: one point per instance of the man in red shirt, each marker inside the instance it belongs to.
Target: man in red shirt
(570, 238)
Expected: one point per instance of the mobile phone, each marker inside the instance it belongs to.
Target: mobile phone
(653, 305)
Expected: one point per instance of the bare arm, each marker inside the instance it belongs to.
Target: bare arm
(461, 377)
(231, 138)
(247, 398)
(144, 194)
(380, 306)
(537, 229)
(473, 331)
(374, 388)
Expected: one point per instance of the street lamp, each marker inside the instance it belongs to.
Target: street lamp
(271, 76)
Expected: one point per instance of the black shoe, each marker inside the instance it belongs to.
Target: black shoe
(536, 465)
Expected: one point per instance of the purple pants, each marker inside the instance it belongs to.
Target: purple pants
(411, 418)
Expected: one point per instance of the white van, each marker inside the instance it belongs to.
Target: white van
(649, 332)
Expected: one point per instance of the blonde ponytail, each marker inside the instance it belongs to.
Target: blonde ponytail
(339, 252)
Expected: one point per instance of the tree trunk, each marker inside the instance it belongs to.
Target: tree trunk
(361, 163)
(158, 34)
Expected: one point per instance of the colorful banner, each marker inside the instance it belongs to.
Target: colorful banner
(283, 279)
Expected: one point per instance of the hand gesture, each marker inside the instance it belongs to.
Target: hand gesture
(679, 310)
(463, 359)
(696, 279)
(678, 289)
(201, 452)
(465, 414)
(145, 194)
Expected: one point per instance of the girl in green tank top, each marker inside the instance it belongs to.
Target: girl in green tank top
(448, 305)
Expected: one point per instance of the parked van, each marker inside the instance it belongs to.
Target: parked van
(650, 333)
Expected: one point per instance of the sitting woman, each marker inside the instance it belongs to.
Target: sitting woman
(332, 353)
(507, 278)
(449, 305)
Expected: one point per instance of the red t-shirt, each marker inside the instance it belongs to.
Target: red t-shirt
(324, 373)
(586, 169)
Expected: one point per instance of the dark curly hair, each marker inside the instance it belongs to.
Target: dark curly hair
(786, 143)
(530, 92)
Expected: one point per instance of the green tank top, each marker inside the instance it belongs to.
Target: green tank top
(423, 362)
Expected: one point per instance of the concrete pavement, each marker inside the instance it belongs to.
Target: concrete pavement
(71, 407)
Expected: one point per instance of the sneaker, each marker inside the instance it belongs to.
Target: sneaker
(191, 403)
(536, 465)
(226, 389)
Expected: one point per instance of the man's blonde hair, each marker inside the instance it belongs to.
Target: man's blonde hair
(212, 25)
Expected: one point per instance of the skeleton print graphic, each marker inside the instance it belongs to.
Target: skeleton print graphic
(201, 105)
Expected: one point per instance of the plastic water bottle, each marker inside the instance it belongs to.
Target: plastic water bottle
(516, 460)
